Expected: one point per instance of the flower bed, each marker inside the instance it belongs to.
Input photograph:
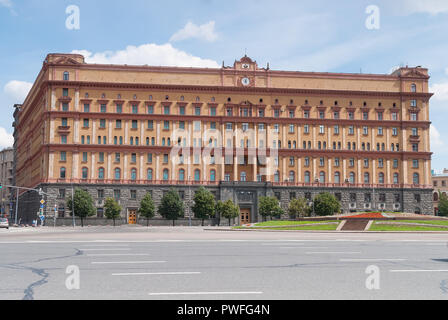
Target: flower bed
(368, 215)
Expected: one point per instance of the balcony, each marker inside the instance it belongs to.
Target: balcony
(64, 129)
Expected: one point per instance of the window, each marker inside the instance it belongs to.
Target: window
(213, 111)
(337, 177)
(84, 157)
(150, 109)
(414, 116)
(197, 111)
(62, 173)
(413, 88)
(134, 124)
(117, 194)
(101, 173)
(416, 178)
(181, 175)
(85, 173)
(63, 156)
(336, 129)
(307, 177)
(166, 125)
(381, 178)
(166, 110)
(119, 108)
(396, 178)
(150, 124)
(103, 108)
(134, 109)
(118, 124)
(413, 103)
(352, 178)
(380, 131)
(243, 177)
(65, 92)
(415, 164)
(102, 123)
(86, 123)
(101, 157)
(86, 107)
(66, 76)
(322, 177)
(277, 176)
(149, 174)
(321, 129)
(117, 174)
(165, 174)
(365, 116)
(366, 177)
(394, 116)
(134, 174)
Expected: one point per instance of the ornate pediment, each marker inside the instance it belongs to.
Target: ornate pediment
(66, 61)
(413, 73)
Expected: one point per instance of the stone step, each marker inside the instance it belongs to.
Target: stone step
(355, 225)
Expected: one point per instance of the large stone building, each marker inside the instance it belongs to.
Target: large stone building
(6, 178)
(242, 131)
(440, 184)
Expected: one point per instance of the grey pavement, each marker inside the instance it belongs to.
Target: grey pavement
(135, 263)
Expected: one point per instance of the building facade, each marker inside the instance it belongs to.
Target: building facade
(440, 184)
(6, 178)
(242, 131)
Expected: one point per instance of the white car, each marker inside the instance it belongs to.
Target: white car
(4, 223)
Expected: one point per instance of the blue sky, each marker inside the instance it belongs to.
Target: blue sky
(291, 35)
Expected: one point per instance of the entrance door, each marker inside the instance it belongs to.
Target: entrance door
(245, 216)
(132, 219)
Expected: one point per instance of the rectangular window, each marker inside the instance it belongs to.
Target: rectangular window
(64, 122)
(86, 107)
(118, 124)
(150, 124)
(197, 111)
(166, 110)
(213, 111)
(102, 123)
(336, 129)
(65, 92)
(182, 125)
(101, 157)
(166, 125)
(64, 139)
(133, 194)
(134, 158)
(63, 156)
(134, 109)
(150, 109)
(119, 108)
(134, 124)
(84, 157)
(117, 157)
(103, 108)
(65, 107)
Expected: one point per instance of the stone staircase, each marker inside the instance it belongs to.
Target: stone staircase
(355, 225)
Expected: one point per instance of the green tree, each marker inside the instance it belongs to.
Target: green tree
(83, 205)
(227, 210)
(269, 207)
(112, 209)
(443, 205)
(204, 204)
(298, 208)
(147, 208)
(326, 204)
(171, 207)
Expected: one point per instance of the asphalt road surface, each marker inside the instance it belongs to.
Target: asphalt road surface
(135, 263)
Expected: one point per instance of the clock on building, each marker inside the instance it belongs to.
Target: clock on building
(245, 81)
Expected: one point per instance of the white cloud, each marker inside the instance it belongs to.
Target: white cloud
(437, 142)
(148, 54)
(18, 90)
(6, 139)
(440, 91)
(191, 31)
(433, 7)
(6, 3)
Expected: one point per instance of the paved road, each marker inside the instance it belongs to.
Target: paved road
(182, 263)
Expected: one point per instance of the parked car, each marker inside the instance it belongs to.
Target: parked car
(4, 223)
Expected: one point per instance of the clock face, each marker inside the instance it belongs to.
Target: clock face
(245, 81)
(245, 66)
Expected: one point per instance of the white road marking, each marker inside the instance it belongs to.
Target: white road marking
(200, 293)
(370, 260)
(117, 254)
(155, 274)
(128, 262)
(396, 271)
(103, 249)
(333, 252)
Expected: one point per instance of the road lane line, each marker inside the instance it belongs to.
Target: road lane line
(128, 262)
(111, 249)
(155, 274)
(361, 260)
(403, 271)
(333, 252)
(201, 293)
(117, 254)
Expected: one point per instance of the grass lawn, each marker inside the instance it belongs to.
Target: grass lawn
(430, 222)
(331, 227)
(396, 227)
(289, 223)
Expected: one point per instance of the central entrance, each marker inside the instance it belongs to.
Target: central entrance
(245, 216)
(132, 216)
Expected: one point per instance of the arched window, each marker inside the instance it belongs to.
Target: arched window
(322, 177)
(117, 174)
(197, 175)
(101, 173)
(292, 176)
(243, 177)
(277, 176)
(413, 88)
(66, 76)
(435, 197)
(212, 175)
(181, 175)
(134, 174)
(352, 177)
(85, 173)
(416, 178)
(366, 177)
(149, 174)
(381, 178)
(337, 177)
(307, 177)
(165, 174)
(62, 173)
(396, 178)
